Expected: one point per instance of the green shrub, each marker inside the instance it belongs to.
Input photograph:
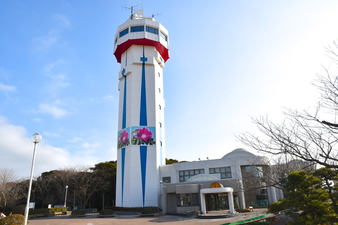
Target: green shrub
(19, 209)
(106, 212)
(78, 212)
(38, 211)
(277, 206)
(14, 219)
(149, 210)
(58, 209)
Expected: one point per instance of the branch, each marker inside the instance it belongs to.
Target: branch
(330, 124)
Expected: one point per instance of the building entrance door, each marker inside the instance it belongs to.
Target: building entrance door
(215, 202)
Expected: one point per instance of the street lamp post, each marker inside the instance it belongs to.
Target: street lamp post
(65, 205)
(36, 138)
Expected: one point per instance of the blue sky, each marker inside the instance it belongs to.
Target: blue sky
(229, 61)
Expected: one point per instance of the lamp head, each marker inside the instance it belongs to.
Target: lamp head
(36, 138)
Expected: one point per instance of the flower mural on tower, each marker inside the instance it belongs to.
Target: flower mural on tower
(143, 136)
(123, 139)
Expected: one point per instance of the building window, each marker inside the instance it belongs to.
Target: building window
(160, 124)
(184, 200)
(224, 171)
(261, 197)
(152, 30)
(187, 174)
(257, 171)
(137, 29)
(159, 74)
(124, 32)
(164, 36)
(159, 106)
(159, 90)
(166, 180)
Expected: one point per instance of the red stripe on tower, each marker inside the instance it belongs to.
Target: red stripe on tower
(125, 45)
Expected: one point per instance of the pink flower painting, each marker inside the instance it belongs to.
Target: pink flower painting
(123, 139)
(124, 136)
(144, 134)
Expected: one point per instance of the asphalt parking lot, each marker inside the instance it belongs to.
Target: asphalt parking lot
(168, 220)
(92, 219)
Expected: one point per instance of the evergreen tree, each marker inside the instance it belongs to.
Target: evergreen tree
(307, 197)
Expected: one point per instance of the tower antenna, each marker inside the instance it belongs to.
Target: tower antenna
(131, 9)
(153, 15)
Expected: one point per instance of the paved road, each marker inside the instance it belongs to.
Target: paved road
(168, 220)
(136, 220)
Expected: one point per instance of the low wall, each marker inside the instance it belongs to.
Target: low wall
(184, 210)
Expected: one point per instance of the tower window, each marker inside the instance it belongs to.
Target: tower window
(124, 32)
(152, 30)
(159, 90)
(160, 124)
(137, 29)
(162, 35)
(159, 74)
(159, 106)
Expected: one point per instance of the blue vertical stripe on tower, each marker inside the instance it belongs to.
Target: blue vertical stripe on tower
(143, 107)
(143, 158)
(123, 157)
(124, 110)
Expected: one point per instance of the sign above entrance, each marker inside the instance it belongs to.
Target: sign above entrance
(216, 185)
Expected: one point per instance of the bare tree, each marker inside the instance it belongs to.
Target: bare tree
(85, 185)
(7, 187)
(311, 137)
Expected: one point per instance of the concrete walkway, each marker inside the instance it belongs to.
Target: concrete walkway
(92, 219)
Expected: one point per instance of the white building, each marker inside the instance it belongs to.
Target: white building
(217, 184)
(142, 48)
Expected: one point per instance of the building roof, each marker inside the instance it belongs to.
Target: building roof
(238, 153)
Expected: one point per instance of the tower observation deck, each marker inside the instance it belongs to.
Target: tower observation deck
(141, 47)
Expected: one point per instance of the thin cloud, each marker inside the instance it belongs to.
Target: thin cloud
(62, 19)
(75, 139)
(7, 88)
(108, 97)
(50, 67)
(49, 134)
(58, 78)
(89, 145)
(48, 41)
(53, 109)
(59, 81)
(4, 73)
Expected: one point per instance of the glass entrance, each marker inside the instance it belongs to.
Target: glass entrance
(215, 202)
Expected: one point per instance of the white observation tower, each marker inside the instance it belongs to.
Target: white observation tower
(142, 48)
